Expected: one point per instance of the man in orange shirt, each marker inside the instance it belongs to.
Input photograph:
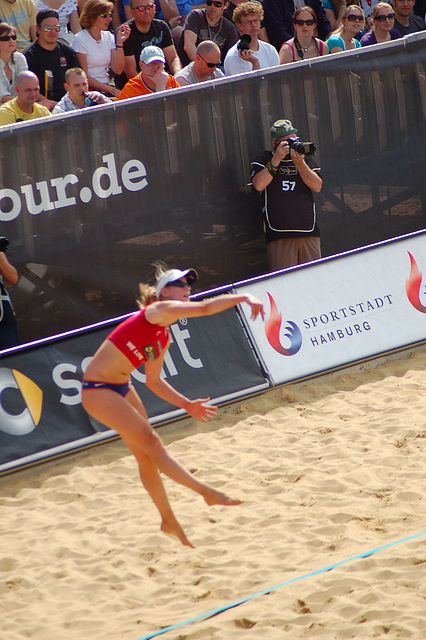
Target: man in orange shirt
(152, 76)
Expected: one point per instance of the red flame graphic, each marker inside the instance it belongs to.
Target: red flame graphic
(413, 284)
(273, 326)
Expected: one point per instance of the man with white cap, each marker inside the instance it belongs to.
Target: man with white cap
(152, 76)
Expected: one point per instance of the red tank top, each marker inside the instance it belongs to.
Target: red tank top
(138, 339)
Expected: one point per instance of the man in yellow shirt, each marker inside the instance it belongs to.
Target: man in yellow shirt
(24, 106)
(152, 76)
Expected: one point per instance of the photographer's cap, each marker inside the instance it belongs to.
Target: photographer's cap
(281, 128)
(152, 54)
(173, 275)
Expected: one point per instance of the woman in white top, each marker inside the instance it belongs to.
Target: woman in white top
(67, 11)
(96, 47)
(11, 62)
(343, 38)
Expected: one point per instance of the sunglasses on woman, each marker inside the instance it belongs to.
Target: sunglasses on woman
(7, 38)
(216, 3)
(309, 23)
(389, 16)
(105, 15)
(355, 17)
(177, 283)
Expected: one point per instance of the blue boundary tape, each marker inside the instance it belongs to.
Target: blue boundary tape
(263, 592)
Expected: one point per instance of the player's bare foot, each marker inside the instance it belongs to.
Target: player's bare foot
(211, 496)
(174, 529)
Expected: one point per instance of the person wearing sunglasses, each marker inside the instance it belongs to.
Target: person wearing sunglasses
(67, 11)
(279, 20)
(24, 106)
(96, 47)
(146, 30)
(255, 54)
(21, 15)
(49, 58)
(383, 17)
(343, 38)
(304, 45)
(207, 24)
(204, 67)
(12, 62)
(143, 339)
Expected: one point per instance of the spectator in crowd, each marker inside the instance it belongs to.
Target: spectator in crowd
(303, 45)
(152, 76)
(8, 275)
(24, 106)
(333, 11)
(146, 30)
(229, 12)
(279, 20)
(420, 9)
(96, 48)
(343, 38)
(287, 179)
(49, 59)
(248, 18)
(67, 13)
(383, 21)
(78, 95)
(405, 20)
(204, 66)
(12, 62)
(21, 15)
(207, 24)
(176, 23)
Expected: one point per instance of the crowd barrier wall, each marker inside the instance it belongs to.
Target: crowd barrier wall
(341, 310)
(364, 303)
(90, 199)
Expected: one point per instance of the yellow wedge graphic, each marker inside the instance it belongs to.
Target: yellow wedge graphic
(31, 393)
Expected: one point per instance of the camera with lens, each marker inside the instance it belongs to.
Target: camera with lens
(244, 43)
(4, 243)
(306, 148)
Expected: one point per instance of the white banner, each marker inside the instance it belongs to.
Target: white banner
(341, 310)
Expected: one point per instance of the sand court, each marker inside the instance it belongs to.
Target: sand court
(328, 470)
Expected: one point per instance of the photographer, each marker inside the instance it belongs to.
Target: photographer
(288, 179)
(250, 53)
(9, 275)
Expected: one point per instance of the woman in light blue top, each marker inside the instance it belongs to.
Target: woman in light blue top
(11, 62)
(343, 38)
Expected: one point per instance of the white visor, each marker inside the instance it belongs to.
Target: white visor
(173, 275)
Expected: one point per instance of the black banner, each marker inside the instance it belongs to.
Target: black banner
(40, 386)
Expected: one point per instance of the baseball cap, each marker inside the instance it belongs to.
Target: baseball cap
(152, 54)
(281, 128)
(175, 274)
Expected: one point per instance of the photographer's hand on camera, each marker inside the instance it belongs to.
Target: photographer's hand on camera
(281, 151)
(298, 158)
(248, 56)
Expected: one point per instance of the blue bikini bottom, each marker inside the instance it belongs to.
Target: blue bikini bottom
(122, 389)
